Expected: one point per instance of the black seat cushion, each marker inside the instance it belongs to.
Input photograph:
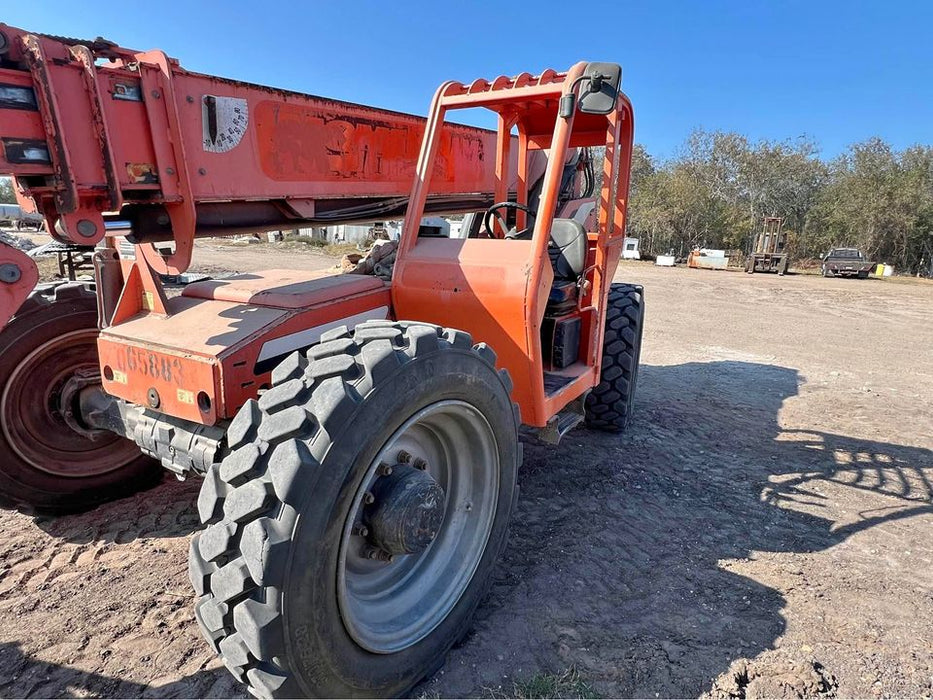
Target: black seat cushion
(567, 249)
(562, 299)
(562, 291)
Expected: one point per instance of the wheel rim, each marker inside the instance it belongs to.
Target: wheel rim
(388, 606)
(32, 417)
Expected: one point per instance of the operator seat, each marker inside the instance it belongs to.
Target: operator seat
(567, 250)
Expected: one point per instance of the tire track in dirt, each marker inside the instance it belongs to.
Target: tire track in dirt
(100, 604)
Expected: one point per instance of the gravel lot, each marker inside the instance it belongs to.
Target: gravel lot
(764, 528)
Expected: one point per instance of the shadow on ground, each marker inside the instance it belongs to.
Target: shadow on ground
(169, 509)
(35, 678)
(615, 562)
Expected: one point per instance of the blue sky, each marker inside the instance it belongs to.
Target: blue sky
(836, 71)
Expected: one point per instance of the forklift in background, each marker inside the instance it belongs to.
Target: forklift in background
(768, 251)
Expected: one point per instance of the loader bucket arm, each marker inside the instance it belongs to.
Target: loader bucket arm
(18, 275)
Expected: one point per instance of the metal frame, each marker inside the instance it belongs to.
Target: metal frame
(497, 290)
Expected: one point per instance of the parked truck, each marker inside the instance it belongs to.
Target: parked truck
(358, 439)
(846, 262)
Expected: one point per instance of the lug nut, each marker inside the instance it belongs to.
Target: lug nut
(384, 469)
(368, 498)
(420, 464)
(377, 554)
(404, 457)
(360, 530)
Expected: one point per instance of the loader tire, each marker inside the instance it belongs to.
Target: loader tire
(46, 464)
(294, 594)
(609, 405)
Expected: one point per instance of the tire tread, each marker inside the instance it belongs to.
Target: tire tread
(609, 404)
(238, 563)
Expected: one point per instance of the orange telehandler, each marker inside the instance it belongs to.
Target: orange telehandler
(358, 439)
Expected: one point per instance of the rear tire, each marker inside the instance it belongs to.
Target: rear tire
(286, 596)
(610, 404)
(47, 465)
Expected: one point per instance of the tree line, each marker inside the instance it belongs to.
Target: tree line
(715, 192)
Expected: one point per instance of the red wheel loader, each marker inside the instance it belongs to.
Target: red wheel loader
(358, 439)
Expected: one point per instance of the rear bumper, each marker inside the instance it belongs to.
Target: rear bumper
(848, 270)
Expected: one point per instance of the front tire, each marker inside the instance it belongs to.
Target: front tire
(296, 589)
(611, 402)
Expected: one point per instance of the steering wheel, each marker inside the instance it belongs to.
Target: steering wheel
(503, 220)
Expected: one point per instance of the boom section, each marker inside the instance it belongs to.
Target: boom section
(90, 128)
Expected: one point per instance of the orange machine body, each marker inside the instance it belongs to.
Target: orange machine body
(498, 289)
(216, 344)
(90, 127)
(181, 155)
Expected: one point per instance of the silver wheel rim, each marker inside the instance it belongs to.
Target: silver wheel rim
(389, 606)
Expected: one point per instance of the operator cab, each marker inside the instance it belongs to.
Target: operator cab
(567, 249)
(530, 273)
(567, 244)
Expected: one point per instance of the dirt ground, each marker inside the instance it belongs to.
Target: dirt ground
(764, 528)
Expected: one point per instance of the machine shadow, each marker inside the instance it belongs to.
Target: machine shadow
(36, 678)
(615, 563)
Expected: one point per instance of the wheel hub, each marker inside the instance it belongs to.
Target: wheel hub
(418, 526)
(68, 403)
(37, 414)
(407, 510)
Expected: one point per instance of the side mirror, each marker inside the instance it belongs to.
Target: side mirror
(599, 88)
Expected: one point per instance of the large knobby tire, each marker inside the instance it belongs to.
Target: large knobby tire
(47, 464)
(286, 595)
(610, 404)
